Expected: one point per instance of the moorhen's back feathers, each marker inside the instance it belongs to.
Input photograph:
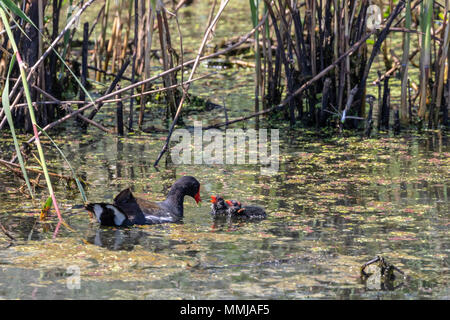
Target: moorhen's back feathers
(138, 209)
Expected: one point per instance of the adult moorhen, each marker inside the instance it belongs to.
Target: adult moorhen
(236, 210)
(128, 210)
(218, 206)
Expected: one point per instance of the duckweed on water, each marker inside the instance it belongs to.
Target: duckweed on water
(332, 206)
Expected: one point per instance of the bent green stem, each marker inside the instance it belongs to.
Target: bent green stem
(31, 111)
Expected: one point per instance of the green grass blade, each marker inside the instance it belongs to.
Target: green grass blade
(16, 10)
(8, 4)
(7, 109)
(254, 6)
(15, 22)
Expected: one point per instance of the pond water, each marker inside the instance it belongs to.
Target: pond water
(334, 203)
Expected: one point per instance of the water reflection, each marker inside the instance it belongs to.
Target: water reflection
(118, 239)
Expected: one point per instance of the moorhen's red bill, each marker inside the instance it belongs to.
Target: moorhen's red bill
(128, 210)
(218, 206)
(236, 210)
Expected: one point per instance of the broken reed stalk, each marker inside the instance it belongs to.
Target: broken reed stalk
(284, 59)
(165, 45)
(99, 15)
(102, 39)
(41, 79)
(267, 53)
(425, 59)
(150, 19)
(119, 114)
(336, 51)
(311, 6)
(56, 10)
(117, 50)
(111, 44)
(181, 62)
(133, 67)
(404, 67)
(141, 108)
(170, 55)
(385, 106)
(127, 33)
(445, 106)
(141, 34)
(84, 67)
(369, 120)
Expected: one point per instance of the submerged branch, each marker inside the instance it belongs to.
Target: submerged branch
(6, 233)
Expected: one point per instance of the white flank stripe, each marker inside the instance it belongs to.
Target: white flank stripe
(119, 217)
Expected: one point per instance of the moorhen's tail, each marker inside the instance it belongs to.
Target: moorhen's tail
(108, 215)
